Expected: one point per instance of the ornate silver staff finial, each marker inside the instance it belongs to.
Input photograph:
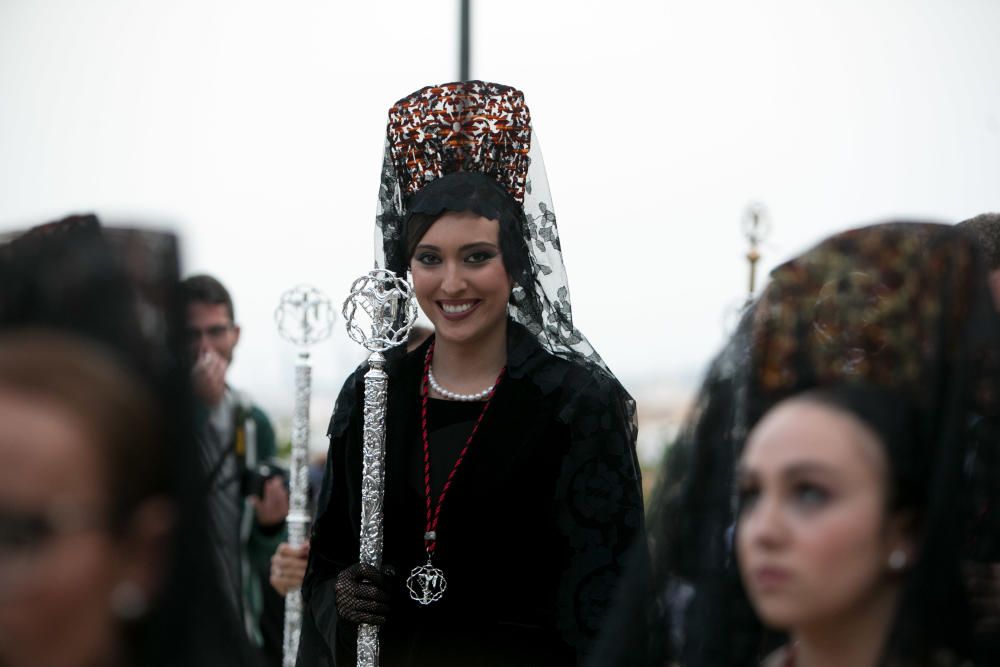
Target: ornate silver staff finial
(304, 317)
(387, 310)
(379, 312)
(756, 227)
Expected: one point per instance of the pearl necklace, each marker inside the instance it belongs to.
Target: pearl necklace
(479, 396)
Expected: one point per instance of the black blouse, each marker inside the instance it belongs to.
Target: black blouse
(449, 424)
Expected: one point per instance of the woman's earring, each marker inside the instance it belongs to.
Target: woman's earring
(128, 601)
(897, 560)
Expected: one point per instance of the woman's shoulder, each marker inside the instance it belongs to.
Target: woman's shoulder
(346, 403)
(572, 386)
(552, 374)
(400, 363)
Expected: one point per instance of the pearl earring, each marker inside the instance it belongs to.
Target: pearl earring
(128, 601)
(897, 560)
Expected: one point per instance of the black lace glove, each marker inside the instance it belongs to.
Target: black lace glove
(364, 593)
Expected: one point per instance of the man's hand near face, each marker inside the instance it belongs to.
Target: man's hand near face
(209, 378)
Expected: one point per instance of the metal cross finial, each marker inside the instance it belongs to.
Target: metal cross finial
(380, 310)
(304, 316)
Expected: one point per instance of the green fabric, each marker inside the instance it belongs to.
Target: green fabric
(262, 542)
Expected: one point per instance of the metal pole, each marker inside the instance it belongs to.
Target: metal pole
(304, 317)
(464, 40)
(756, 227)
(379, 313)
(372, 490)
(298, 498)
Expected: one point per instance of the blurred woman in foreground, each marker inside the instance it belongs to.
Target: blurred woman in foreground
(103, 556)
(820, 515)
(86, 519)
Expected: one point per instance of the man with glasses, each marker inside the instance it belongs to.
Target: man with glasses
(248, 503)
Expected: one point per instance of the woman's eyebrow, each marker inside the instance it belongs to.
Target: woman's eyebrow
(467, 246)
(795, 469)
(807, 469)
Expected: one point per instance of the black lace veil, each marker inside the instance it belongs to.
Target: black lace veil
(541, 298)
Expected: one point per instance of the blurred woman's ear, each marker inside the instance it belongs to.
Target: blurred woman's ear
(994, 282)
(146, 554)
(902, 537)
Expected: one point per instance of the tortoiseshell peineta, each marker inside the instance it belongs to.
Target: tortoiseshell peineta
(463, 126)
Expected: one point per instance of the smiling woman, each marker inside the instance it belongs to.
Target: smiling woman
(512, 488)
(462, 284)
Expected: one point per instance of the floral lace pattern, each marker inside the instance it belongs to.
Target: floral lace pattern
(420, 148)
(463, 126)
(542, 303)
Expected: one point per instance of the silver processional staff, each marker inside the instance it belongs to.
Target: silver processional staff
(379, 313)
(304, 317)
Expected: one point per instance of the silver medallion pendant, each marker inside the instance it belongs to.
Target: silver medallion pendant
(426, 583)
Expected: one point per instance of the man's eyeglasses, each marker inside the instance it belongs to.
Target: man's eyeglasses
(213, 333)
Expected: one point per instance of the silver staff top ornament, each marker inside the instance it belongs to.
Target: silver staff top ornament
(304, 316)
(380, 310)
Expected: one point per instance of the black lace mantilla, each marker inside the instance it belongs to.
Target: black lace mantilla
(444, 132)
(541, 302)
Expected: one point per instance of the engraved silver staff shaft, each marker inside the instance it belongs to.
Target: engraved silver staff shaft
(304, 317)
(379, 312)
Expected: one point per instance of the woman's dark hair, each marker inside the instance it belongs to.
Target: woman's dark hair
(479, 194)
(204, 288)
(894, 419)
(512, 250)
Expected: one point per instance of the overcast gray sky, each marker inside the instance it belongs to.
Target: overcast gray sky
(255, 130)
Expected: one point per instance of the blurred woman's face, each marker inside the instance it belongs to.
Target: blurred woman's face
(814, 536)
(58, 563)
(459, 277)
